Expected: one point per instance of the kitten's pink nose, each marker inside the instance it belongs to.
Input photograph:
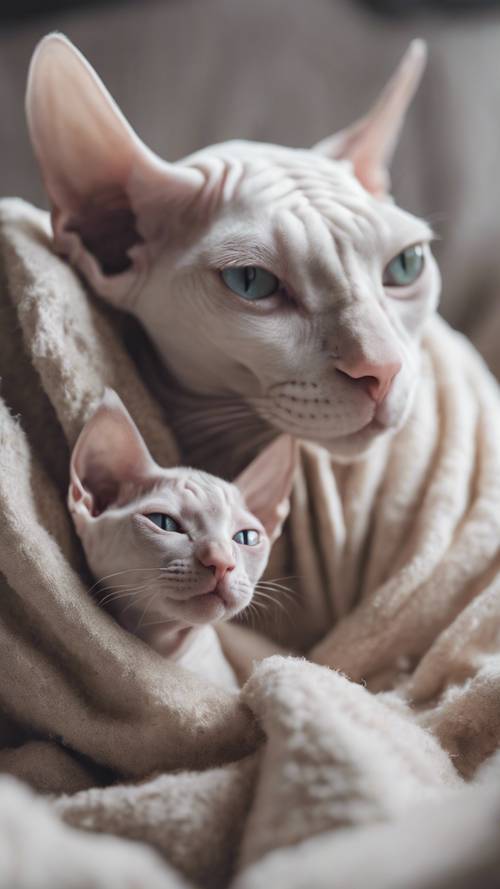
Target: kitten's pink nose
(374, 377)
(217, 557)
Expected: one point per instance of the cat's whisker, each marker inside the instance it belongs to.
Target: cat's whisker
(146, 609)
(114, 595)
(283, 592)
(240, 411)
(277, 585)
(132, 602)
(211, 410)
(287, 577)
(260, 595)
(163, 620)
(279, 596)
(279, 608)
(247, 615)
(116, 574)
(261, 607)
(219, 427)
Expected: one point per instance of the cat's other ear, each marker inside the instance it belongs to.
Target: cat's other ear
(110, 452)
(369, 144)
(266, 483)
(110, 195)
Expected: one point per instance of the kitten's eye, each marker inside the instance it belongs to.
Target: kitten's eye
(247, 538)
(165, 522)
(405, 268)
(250, 281)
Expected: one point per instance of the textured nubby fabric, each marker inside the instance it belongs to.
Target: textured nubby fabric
(370, 773)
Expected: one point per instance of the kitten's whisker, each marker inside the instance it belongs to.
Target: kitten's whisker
(287, 577)
(278, 586)
(128, 586)
(279, 595)
(259, 594)
(247, 615)
(146, 609)
(287, 593)
(115, 574)
(126, 590)
(113, 597)
(164, 620)
(280, 609)
(131, 603)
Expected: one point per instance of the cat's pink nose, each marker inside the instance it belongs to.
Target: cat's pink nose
(216, 557)
(375, 378)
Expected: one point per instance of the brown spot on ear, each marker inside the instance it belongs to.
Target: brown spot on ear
(106, 225)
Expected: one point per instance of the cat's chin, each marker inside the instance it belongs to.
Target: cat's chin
(353, 447)
(206, 608)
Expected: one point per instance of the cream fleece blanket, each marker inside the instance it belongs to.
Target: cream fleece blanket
(314, 776)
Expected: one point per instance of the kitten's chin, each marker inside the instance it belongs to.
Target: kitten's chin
(205, 608)
(209, 608)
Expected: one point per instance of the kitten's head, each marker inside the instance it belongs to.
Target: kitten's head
(285, 278)
(186, 544)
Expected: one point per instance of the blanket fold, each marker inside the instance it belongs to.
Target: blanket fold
(69, 671)
(395, 564)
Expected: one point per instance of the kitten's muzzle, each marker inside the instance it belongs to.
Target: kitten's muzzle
(217, 557)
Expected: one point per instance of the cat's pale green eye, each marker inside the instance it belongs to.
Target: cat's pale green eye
(250, 282)
(165, 522)
(405, 268)
(248, 537)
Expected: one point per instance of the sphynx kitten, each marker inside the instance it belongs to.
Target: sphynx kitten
(175, 550)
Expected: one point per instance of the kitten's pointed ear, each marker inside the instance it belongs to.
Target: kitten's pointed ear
(109, 453)
(109, 193)
(370, 142)
(266, 483)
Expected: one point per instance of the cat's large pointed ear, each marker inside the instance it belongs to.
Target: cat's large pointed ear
(266, 483)
(369, 143)
(110, 194)
(109, 453)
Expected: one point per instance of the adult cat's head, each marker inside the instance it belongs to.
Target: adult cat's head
(286, 278)
(187, 545)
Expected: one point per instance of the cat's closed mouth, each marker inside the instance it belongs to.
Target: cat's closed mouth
(212, 605)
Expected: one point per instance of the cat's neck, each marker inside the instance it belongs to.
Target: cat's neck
(220, 434)
(197, 648)
(170, 638)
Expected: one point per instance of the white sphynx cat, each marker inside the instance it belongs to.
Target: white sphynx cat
(175, 550)
(283, 289)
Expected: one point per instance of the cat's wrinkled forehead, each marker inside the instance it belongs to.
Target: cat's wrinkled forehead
(198, 492)
(272, 200)
(261, 177)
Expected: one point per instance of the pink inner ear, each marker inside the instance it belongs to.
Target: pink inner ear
(267, 482)
(103, 486)
(370, 142)
(108, 229)
(110, 453)
(96, 170)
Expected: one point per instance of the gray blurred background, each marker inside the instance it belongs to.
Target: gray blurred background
(190, 72)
